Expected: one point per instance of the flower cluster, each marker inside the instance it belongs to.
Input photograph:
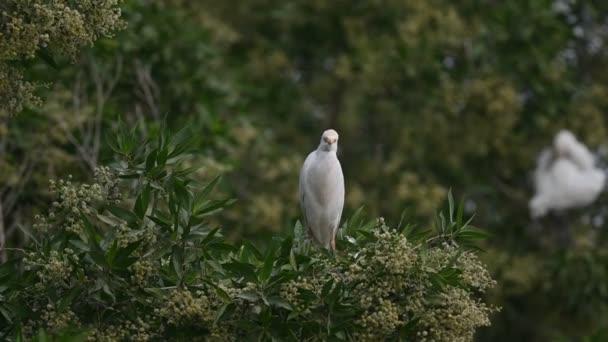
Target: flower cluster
(389, 284)
(453, 316)
(183, 306)
(222, 334)
(72, 199)
(137, 330)
(291, 292)
(123, 236)
(52, 320)
(379, 322)
(54, 269)
(15, 92)
(57, 321)
(142, 270)
(30, 26)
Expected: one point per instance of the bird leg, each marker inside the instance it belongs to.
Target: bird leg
(307, 243)
(333, 243)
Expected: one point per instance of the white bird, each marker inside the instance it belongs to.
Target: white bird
(322, 191)
(567, 146)
(565, 177)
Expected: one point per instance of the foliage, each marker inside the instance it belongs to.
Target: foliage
(564, 276)
(437, 93)
(30, 29)
(132, 257)
(425, 95)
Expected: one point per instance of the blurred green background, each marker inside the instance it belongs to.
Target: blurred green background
(426, 96)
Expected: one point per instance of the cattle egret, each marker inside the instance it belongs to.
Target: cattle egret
(322, 191)
(565, 177)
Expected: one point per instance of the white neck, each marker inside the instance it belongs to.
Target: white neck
(324, 147)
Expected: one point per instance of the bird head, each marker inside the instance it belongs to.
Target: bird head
(563, 142)
(329, 141)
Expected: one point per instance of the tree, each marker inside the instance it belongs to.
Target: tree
(132, 257)
(39, 29)
(425, 96)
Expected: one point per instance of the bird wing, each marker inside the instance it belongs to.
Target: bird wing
(580, 154)
(542, 179)
(304, 197)
(339, 193)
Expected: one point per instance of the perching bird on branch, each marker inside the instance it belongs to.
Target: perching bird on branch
(565, 177)
(322, 191)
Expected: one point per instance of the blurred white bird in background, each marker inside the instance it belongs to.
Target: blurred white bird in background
(322, 191)
(565, 177)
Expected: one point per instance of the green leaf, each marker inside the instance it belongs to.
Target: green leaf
(203, 194)
(96, 253)
(472, 233)
(46, 56)
(123, 214)
(460, 213)
(451, 204)
(181, 193)
(249, 295)
(249, 249)
(210, 236)
(292, 260)
(67, 299)
(98, 257)
(279, 278)
(79, 245)
(161, 157)
(333, 296)
(106, 289)
(220, 312)
(142, 202)
(408, 330)
(157, 173)
(222, 294)
(160, 220)
(182, 145)
(129, 176)
(280, 303)
(327, 287)
(123, 258)
(214, 206)
(177, 261)
(447, 276)
(401, 220)
(8, 268)
(89, 230)
(415, 233)
(286, 247)
(109, 220)
(355, 221)
(267, 267)
(151, 160)
(6, 313)
(111, 254)
(241, 269)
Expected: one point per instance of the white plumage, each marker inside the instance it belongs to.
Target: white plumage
(322, 191)
(565, 177)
